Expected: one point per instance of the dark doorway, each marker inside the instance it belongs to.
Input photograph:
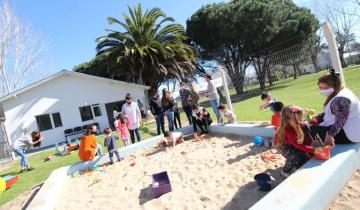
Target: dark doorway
(110, 108)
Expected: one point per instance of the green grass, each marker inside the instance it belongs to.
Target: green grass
(302, 91)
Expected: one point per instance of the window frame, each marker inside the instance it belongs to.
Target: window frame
(41, 127)
(93, 106)
(91, 112)
(53, 121)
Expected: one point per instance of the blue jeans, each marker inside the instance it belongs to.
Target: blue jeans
(24, 160)
(132, 135)
(160, 123)
(170, 116)
(215, 103)
(99, 150)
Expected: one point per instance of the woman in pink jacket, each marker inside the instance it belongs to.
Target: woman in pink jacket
(123, 129)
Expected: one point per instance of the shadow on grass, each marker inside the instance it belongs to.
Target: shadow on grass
(249, 194)
(147, 130)
(145, 195)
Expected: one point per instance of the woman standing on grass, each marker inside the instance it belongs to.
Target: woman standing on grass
(25, 142)
(340, 121)
(168, 105)
(194, 99)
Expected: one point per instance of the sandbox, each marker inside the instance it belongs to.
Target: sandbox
(216, 173)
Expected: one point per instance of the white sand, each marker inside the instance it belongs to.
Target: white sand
(349, 197)
(216, 173)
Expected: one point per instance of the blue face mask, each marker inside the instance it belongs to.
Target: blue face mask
(327, 92)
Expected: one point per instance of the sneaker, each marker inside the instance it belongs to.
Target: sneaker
(202, 132)
(206, 132)
(285, 175)
(30, 169)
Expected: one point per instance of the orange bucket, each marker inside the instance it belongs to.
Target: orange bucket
(324, 154)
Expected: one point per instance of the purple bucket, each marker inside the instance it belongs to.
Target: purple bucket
(160, 184)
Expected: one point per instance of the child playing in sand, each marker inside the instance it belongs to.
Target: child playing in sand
(202, 117)
(227, 113)
(123, 129)
(276, 118)
(172, 138)
(110, 143)
(268, 101)
(295, 145)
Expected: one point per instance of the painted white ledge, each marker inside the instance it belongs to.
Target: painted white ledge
(244, 129)
(316, 184)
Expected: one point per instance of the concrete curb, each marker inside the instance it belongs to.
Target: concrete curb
(316, 184)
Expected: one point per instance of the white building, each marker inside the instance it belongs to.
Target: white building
(63, 101)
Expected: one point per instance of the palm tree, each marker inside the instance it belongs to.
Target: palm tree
(147, 51)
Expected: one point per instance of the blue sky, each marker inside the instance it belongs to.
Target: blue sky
(71, 26)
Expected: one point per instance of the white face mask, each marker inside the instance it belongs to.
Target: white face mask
(327, 92)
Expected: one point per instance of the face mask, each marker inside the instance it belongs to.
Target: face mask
(327, 92)
(94, 132)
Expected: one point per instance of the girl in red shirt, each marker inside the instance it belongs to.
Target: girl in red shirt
(295, 145)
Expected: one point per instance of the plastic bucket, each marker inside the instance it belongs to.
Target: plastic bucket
(324, 154)
(258, 140)
(263, 182)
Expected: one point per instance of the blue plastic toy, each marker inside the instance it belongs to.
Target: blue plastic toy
(258, 140)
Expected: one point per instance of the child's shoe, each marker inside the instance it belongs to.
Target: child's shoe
(285, 175)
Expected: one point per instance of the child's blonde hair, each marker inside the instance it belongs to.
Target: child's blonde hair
(290, 113)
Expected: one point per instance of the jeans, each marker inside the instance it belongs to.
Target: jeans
(99, 150)
(194, 123)
(132, 135)
(24, 161)
(170, 116)
(160, 123)
(215, 103)
(111, 155)
(177, 118)
(188, 112)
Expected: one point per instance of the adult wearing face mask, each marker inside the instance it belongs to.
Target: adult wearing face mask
(132, 111)
(89, 146)
(340, 121)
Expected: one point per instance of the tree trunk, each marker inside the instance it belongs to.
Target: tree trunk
(342, 59)
(269, 77)
(295, 71)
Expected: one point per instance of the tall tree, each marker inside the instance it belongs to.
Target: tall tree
(336, 13)
(217, 32)
(147, 51)
(21, 50)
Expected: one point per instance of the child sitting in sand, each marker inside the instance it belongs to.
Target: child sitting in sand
(227, 113)
(110, 143)
(123, 129)
(172, 138)
(276, 118)
(268, 101)
(202, 117)
(295, 145)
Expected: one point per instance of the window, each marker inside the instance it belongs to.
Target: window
(44, 122)
(86, 113)
(57, 119)
(97, 110)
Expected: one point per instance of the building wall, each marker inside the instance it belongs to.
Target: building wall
(64, 94)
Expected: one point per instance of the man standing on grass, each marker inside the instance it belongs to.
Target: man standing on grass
(132, 111)
(213, 96)
(156, 110)
(184, 95)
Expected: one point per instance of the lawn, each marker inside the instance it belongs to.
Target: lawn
(302, 91)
